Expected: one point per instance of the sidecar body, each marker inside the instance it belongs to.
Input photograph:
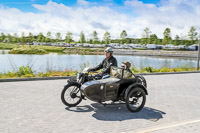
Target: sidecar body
(117, 87)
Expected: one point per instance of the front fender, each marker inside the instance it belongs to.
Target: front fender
(132, 86)
(73, 82)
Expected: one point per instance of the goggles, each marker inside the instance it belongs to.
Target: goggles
(123, 66)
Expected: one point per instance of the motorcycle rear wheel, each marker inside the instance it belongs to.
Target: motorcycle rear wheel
(71, 95)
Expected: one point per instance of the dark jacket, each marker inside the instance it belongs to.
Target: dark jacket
(105, 65)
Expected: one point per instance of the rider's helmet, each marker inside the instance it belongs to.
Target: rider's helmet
(108, 50)
(126, 65)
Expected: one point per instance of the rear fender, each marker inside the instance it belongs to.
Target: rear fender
(132, 86)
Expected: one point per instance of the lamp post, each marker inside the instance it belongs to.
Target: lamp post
(198, 55)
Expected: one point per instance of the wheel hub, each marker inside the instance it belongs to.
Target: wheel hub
(73, 95)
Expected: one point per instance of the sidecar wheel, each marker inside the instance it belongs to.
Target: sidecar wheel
(71, 95)
(135, 100)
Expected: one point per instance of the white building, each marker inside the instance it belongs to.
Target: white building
(151, 46)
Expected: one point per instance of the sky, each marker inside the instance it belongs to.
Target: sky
(35, 16)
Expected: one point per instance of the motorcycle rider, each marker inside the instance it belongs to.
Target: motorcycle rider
(106, 64)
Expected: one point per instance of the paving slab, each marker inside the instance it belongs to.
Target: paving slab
(35, 106)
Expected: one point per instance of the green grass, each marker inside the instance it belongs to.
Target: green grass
(27, 50)
(26, 72)
(50, 48)
(163, 69)
(30, 49)
(83, 51)
(8, 46)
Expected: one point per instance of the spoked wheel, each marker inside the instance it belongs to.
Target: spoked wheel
(135, 100)
(141, 80)
(71, 95)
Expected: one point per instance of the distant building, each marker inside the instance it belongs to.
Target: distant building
(169, 46)
(151, 46)
(193, 47)
(135, 46)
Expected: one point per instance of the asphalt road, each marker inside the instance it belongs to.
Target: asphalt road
(173, 105)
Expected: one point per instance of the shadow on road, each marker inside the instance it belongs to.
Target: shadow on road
(85, 108)
(118, 112)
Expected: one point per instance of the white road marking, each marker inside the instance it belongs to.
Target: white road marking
(164, 126)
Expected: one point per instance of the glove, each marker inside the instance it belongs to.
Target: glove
(89, 70)
(100, 73)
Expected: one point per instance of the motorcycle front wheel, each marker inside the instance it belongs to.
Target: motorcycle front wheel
(71, 95)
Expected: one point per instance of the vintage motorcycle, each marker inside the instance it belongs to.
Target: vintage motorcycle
(123, 86)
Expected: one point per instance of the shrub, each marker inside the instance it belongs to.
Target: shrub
(24, 71)
(148, 69)
(135, 70)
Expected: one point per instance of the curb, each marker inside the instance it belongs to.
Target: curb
(34, 79)
(165, 73)
(68, 77)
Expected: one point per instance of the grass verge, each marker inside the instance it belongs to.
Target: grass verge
(26, 72)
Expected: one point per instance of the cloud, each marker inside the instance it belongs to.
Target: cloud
(178, 15)
(99, 25)
(61, 18)
(83, 2)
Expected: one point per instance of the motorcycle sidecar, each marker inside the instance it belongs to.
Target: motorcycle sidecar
(122, 85)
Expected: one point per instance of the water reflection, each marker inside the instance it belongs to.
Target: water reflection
(42, 63)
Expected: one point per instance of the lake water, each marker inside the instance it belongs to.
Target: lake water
(42, 63)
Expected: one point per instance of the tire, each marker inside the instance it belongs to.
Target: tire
(141, 80)
(133, 96)
(67, 94)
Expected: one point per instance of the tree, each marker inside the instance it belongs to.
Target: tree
(30, 37)
(106, 37)
(145, 36)
(8, 38)
(48, 37)
(146, 33)
(192, 34)
(40, 37)
(123, 35)
(167, 36)
(58, 36)
(68, 37)
(15, 38)
(95, 37)
(90, 41)
(2, 37)
(153, 39)
(82, 37)
(22, 39)
(177, 40)
(183, 40)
